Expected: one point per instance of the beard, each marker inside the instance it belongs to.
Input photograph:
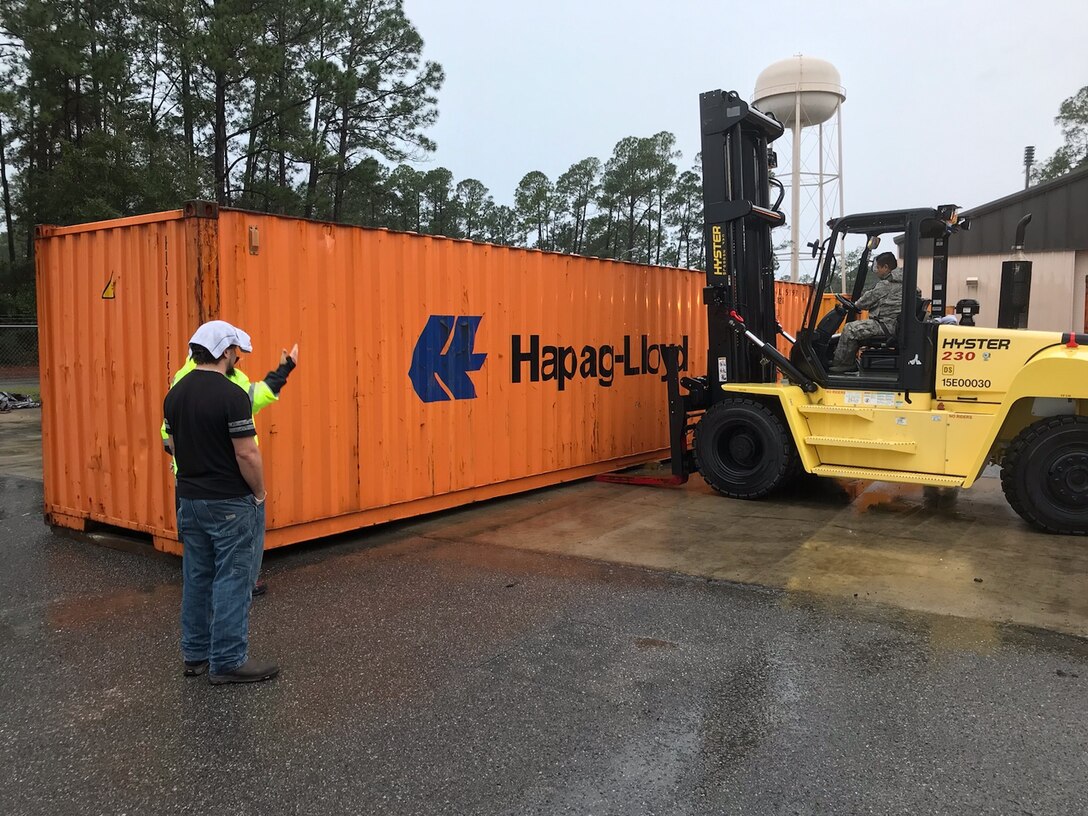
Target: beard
(230, 368)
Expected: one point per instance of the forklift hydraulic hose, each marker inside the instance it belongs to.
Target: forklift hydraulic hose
(773, 354)
(781, 193)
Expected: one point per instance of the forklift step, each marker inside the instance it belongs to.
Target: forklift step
(900, 445)
(860, 413)
(878, 475)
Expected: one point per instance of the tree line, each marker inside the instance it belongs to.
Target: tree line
(313, 108)
(634, 206)
(111, 108)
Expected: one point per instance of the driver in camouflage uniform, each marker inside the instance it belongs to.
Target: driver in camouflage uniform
(883, 302)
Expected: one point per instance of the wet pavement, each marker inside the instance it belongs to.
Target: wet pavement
(424, 673)
(948, 552)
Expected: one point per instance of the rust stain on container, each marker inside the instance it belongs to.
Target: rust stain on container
(433, 372)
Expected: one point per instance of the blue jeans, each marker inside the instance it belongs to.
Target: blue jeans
(260, 545)
(223, 541)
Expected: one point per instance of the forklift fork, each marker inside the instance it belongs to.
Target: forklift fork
(678, 432)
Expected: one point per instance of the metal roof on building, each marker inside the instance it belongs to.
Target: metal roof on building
(1059, 220)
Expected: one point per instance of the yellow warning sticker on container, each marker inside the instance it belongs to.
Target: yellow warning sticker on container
(110, 292)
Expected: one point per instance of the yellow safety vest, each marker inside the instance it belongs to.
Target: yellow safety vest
(260, 395)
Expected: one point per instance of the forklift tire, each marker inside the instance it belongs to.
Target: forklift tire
(742, 449)
(1045, 475)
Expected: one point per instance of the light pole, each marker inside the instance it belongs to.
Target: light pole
(1029, 160)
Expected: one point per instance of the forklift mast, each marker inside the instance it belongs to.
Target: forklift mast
(738, 218)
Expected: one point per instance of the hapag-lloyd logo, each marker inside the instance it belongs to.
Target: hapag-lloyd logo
(562, 364)
(445, 354)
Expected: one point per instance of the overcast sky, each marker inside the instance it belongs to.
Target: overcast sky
(941, 98)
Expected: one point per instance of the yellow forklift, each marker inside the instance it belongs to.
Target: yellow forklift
(931, 404)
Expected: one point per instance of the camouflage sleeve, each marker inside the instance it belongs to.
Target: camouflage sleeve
(871, 298)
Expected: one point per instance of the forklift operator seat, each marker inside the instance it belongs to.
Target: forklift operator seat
(882, 353)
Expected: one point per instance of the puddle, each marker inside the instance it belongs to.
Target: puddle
(83, 610)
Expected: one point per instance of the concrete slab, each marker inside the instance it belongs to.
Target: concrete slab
(963, 553)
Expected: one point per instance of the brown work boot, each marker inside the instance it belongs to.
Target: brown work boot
(251, 671)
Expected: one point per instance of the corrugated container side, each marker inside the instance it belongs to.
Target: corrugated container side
(428, 371)
(112, 300)
(353, 435)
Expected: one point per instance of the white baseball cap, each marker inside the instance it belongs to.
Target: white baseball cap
(218, 335)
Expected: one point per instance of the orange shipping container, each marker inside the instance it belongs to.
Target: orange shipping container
(791, 304)
(433, 372)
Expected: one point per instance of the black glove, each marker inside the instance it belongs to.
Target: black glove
(277, 379)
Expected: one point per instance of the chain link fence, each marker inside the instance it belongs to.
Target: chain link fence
(19, 355)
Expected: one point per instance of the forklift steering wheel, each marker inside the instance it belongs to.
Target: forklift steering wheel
(847, 304)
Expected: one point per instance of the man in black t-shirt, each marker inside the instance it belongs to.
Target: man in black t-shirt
(221, 495)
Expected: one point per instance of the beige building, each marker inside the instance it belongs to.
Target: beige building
(1056, 243)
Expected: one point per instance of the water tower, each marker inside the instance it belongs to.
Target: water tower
(805, 94)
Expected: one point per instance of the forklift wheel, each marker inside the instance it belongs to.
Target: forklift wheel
(743, 449)
(1045, 474)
